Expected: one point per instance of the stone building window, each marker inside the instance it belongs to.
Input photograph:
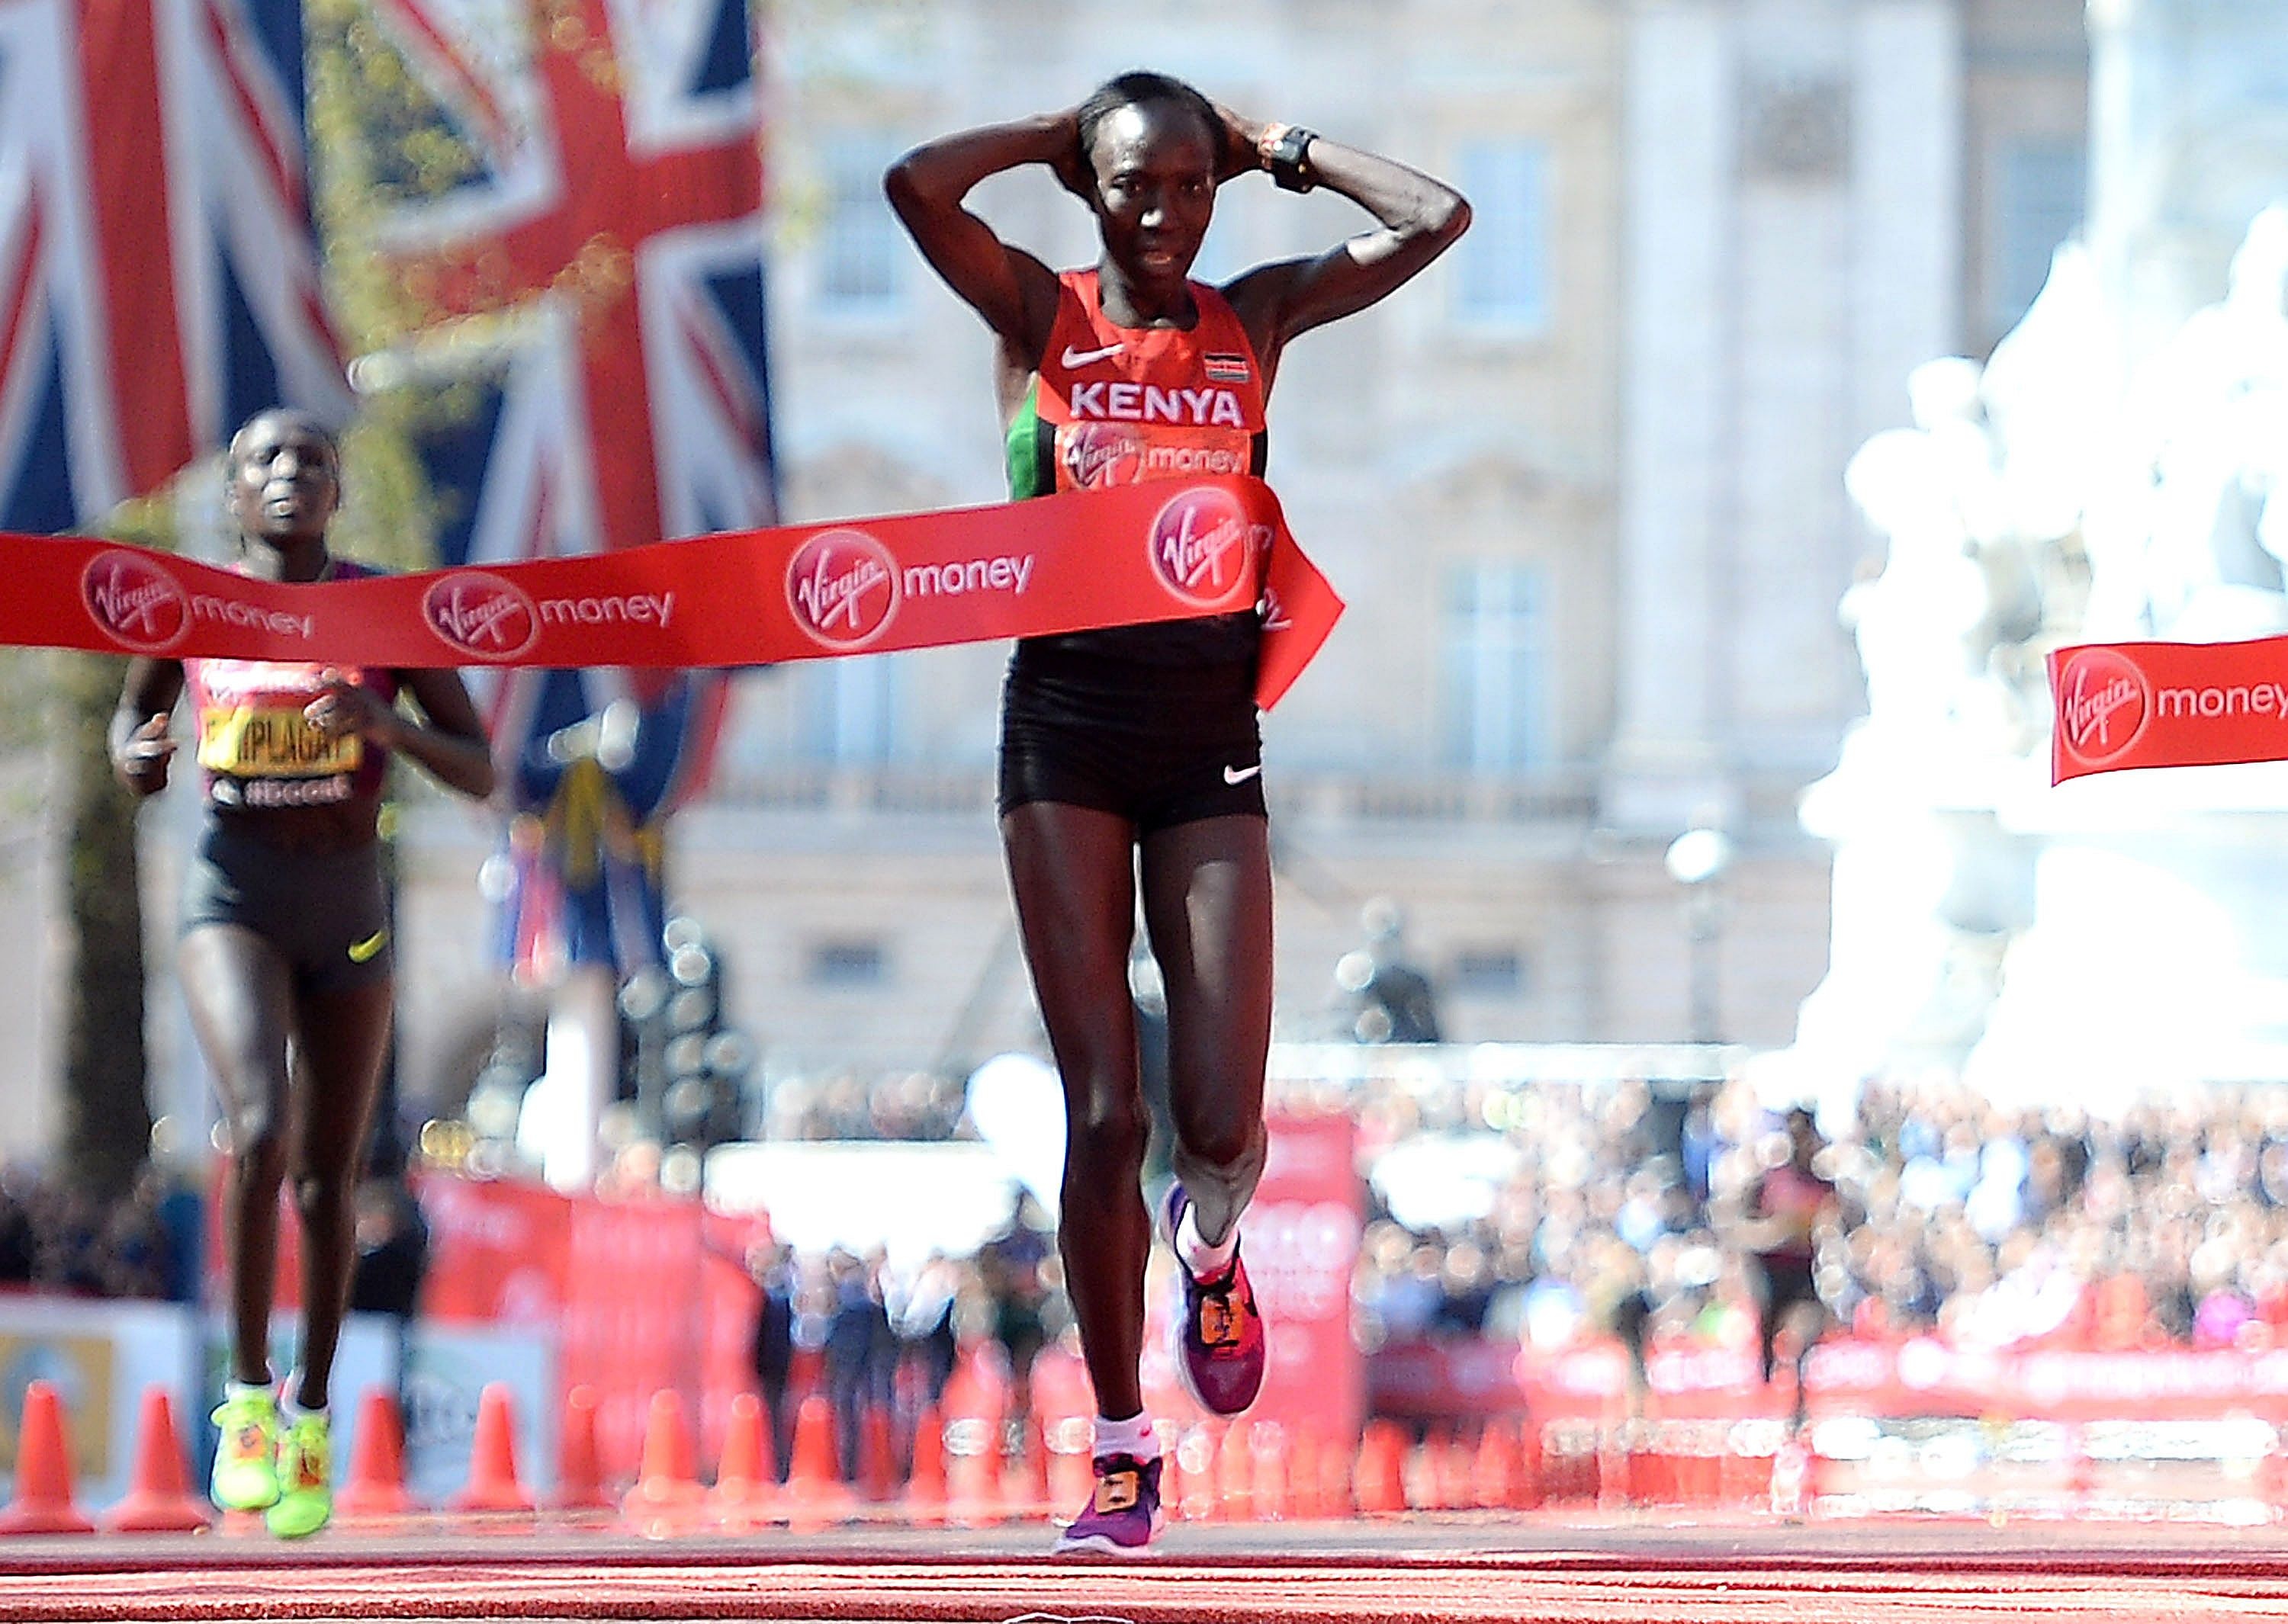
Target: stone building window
(1795, 130)
(1496, 652)
(861, 252)
(1487, 971)
(1501, 270)
(2036, 205)
(848, 963)
(849, 709)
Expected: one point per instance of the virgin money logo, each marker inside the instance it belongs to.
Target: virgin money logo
(842, 587)
(481, 615)
(1100, 454)
(1202, 544)
(2103, 704)
(138, 604)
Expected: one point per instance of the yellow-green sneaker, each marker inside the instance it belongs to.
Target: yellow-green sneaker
(305, 1477)
(246, 1461)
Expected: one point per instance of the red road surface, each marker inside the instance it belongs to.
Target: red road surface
(1472, 1570)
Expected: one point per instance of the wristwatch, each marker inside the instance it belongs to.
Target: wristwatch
(1282, 149)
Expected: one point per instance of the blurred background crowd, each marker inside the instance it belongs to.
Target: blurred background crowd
(1994, 1227)
(1544, 1213)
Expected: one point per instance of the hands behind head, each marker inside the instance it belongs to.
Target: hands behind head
(1070, 165)
(1240, 135)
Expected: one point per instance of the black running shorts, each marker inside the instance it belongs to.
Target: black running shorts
(1158, 745)
(324, 912)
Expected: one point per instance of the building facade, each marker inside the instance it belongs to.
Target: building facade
(1581, 485)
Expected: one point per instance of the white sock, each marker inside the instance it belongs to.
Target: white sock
(1132, 1437)
(235, 1389)
(1200, 1258)
(293, 1408)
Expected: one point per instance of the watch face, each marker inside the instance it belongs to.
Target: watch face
(1287, 159)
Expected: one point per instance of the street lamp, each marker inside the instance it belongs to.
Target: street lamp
(1697, 860)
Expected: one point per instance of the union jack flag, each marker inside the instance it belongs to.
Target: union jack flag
(158, 274)
(602, 242)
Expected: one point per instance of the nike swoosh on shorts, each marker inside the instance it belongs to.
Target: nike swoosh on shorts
(1239, 776)
(1073, 358)
(362, 953)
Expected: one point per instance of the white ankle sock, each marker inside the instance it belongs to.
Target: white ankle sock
(1199, 1257)
(1132, 1437)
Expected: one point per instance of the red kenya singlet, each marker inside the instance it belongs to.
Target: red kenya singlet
(1120, 405)
(254, 744)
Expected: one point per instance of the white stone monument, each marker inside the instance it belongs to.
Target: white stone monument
(2110, 475)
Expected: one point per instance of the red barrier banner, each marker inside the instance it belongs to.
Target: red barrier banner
(1919, 1377)
(1055, 564)
(2167, 705)
(1300, 1236)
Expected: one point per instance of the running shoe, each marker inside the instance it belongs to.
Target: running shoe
(1219, 1345)
(246, 1462)
(1123, 1514)
(305, 1477)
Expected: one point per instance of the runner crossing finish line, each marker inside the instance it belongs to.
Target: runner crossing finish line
(2167, 705)
(1056, 563)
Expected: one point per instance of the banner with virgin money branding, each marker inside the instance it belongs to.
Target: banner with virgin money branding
(1918, 1376)
(1054, 563)
(2167, 705)
(1301, 1237)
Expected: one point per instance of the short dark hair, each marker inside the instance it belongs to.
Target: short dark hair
(1137, 89)
(293, 416)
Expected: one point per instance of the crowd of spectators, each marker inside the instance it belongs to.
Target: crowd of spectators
(1614, 1206)
(867, 1334)
(1995, 1227)
(844, 1105)
(58, 1238)
(61, 1240)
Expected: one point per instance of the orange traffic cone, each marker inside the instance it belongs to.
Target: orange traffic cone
(1450, 1468)
(666, 1489)
(1268, 1449)
(1195, 1458)
(158, 1498)
(1379, 1483)
(1033, 1466)
(925, 1485)
(493, 1484)
(1305, 1490)
(974, 1493)
(1529, 1480)
(816, 1492)
(1336, 1456)
(1235, 1476)
(376, 1477)
(746, 1478)
(877, 1465)
(579, 1468)
(43, 1479)
(1494, 1475)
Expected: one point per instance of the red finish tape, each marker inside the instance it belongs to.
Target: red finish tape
(1068, 563)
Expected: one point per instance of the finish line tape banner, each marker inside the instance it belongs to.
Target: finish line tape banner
(2167, 705)
(1055, 564)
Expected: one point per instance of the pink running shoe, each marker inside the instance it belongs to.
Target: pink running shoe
(1220, 1351)
(1123, 1514)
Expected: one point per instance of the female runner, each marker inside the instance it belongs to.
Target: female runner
(1137, 749)
(285, 955)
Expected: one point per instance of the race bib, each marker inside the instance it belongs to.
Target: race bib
(257, 741)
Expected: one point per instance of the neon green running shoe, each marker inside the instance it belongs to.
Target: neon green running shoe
(246, 1462)
(305, 1477)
